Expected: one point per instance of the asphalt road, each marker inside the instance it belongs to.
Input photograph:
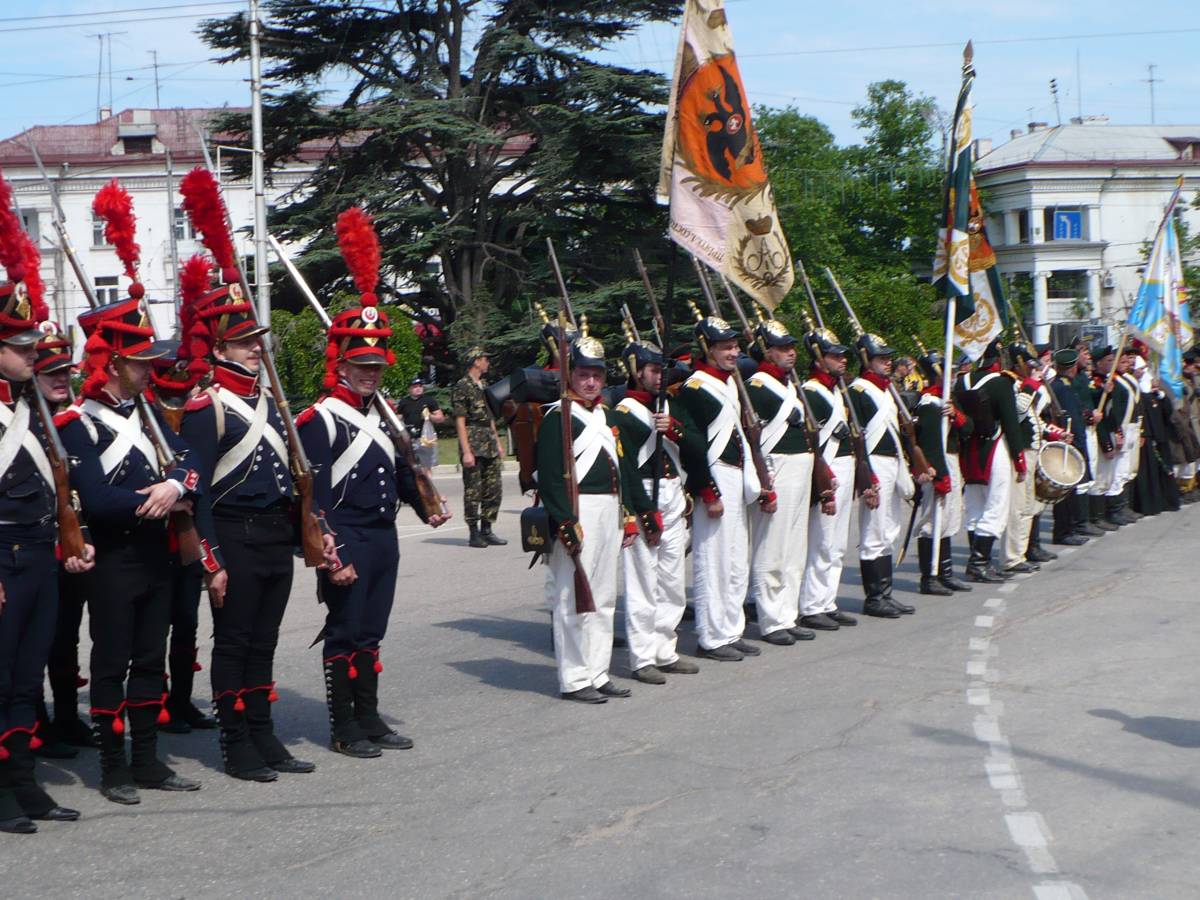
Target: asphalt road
(1037, 740)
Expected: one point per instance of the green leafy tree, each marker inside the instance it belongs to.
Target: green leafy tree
(299, 344)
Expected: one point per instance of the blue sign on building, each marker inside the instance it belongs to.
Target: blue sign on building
(1068, 225)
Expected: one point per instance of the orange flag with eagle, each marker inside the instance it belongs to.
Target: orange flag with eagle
(713, 174)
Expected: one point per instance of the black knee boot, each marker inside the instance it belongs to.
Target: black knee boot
(35, 801)
(929, 584)
(13, 819)
(239, 753)
(946, 569)
(116, 780)
(184, 714)
(1098, 508)
(979, 567)
(49, 743)
(1034, 551)
(259, 706)
(885, 581)
(1081, 506)
(366, 703)
(874, 603)
(345, 734)
(64, 685)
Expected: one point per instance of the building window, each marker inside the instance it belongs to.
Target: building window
(29, 221)
(108, 289)
(1023, 226)
(139, 144)
(1065, 223)
(1067, 285)
(98, 239)
(183, 226)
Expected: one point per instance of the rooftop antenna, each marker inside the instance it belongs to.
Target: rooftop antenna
(1151, 81)
(1054, 94)
(154, 56)
(1078, 84)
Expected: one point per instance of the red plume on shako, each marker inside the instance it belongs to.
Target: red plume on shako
(358, 334)
(120, 329)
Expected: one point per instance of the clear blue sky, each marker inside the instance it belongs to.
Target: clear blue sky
(816, 56)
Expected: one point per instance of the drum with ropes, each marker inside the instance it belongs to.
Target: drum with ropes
(1060, 467)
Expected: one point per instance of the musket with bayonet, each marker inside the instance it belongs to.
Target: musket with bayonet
(864, 480)
(751, 423)
(660, 332)
(823, 481)
(190, 549)
(584, 602)
(908, 429)
(312, 525)
(433, 504)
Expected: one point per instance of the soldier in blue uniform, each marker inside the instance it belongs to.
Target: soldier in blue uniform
(239, 443)
(28, 568)
(127, 497)
(52, 372)
(360, 481)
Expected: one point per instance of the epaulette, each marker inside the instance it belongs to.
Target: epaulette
(62, 419)
(694, 383)
(857, 386)
(203, 400)
(306, 416)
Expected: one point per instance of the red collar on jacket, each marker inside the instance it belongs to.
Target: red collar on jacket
(880, 381)
(6, 391)
(994, 367)
(824, 377)
(354, 400)
(719, 374)
(643, 397)
(934, 389)
(588, 405)
(241, 383)
(769, 368)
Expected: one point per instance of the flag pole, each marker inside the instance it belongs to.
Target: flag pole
(968, 75)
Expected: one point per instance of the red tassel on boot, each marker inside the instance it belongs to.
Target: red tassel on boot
(239, 705)
(118, 725)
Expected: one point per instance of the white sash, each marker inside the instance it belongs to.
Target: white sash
(1135, 390)
(646, 417)
(597, 436)
(368, 432)
(127, 433)
(837, 416)
(774, 430)
(257, 430)
(17, 436)
(885, 421)
(724, 426)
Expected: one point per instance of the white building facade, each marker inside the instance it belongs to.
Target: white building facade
(1072, 207)
(132, 147)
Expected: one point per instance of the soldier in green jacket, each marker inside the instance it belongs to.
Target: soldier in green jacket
(590, 537)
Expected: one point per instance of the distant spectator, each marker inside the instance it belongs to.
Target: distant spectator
(420, 414)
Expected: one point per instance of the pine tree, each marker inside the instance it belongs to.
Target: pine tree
(472, 131)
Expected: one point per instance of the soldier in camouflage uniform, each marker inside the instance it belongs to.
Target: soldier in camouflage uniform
(479, 451)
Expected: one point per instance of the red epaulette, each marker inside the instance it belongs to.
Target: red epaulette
(62, 419)
(203, 400)
(306, 416)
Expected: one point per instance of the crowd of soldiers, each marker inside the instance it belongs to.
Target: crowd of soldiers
(184, 466)
(1091, 432)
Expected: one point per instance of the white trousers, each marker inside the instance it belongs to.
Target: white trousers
(986, 505)
(827, 537)
(779, 543)
(1185, 470)
(583, 643)
(878, 528)
(1093, 455)
(952, 504)
(655, 595)
(1023, 506)
(721, 563)
(1129, 458)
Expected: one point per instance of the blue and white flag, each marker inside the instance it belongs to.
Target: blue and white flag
(1160, 316)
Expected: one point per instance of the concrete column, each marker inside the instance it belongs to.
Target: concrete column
(1041, 308)
(1037, 225)
(1093, 293)
(1093, 224)
(1012, 228)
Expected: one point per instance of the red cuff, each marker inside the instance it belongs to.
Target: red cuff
(675, 431)
(960, 419)
(208, 560)
(1019, 463)
(710, 494)
(768, 497)
(631, 528)
(942, 485)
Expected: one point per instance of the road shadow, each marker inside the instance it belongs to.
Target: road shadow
(1169, 789)
(510, 675)
(1177, 732)
(532, 635)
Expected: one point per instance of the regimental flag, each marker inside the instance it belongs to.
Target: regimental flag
(950, 264)
(989, 316)
(712, 173)
(1161, 316)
